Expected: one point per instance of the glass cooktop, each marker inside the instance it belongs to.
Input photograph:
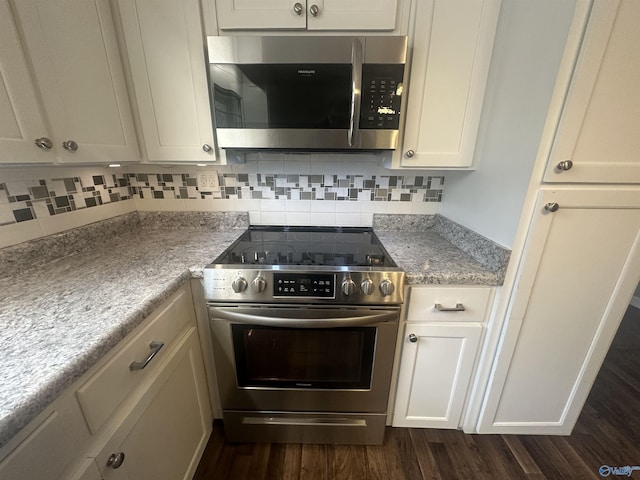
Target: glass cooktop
(318, 246)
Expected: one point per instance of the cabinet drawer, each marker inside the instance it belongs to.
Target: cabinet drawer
(458, 304)
(103, 392)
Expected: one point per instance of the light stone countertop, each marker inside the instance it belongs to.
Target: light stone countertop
(427, 258)
(59, 318)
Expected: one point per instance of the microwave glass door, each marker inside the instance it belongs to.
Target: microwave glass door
(326, 358)
(282, 96)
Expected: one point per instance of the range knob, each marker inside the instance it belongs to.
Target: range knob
(367, 286)
(239, 284)
(349, 286)
(386, 287)
(259, 284)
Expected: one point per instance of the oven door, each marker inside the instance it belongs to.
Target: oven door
(304, 358)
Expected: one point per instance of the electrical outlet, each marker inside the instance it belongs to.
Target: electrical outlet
(207, 180)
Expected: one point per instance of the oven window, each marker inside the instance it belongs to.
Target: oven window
(337, 358)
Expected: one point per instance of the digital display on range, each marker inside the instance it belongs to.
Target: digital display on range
(315, 285)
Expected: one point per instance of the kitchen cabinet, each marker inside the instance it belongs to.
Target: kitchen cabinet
(21, 118)
(452, 44)
(72, 50)
(581, 264)
(307, 14)
(51, 443)
(167, 60)
(597, 138)
(88, 470)
(168, 428)
(157, 413)
(442, 334)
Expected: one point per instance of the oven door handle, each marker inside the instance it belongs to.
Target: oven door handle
(363, 319)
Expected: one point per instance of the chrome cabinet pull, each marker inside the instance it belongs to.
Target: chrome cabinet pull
(44, 143)
(297, 8)
(155, 348)
(314, 10)
(458, 308)
(565, 165)
(115, 460)
(409, 153)
(413, 338)
(552, 207)
(207, 148)
(70, 145)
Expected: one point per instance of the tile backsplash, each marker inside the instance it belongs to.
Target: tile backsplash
(274, 189)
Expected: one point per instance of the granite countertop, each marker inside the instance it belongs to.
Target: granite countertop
(60, 316)
(427, 258)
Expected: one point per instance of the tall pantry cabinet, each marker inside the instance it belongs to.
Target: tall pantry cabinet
(581, 259)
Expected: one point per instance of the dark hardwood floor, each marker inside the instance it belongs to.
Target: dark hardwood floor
(607, 433)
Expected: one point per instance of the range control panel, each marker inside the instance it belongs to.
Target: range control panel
(287, 286)
(315, 285)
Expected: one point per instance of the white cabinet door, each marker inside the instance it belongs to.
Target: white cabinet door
(21, 119)
(580, 267)
(598, 129)
(88, 470)
(164, 41)
(351, 14)
(261, 14)
(74, 55)
(165, 435)
(435, 371)
(51, 447)
(452, 47)
(307, 14)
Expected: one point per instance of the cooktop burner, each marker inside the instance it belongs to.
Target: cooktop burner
(317, 246)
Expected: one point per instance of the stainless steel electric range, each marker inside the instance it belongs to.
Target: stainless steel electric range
(304, 324)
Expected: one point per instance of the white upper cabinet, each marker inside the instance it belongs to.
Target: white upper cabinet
(598, 129)
(165, 45)
(452, 48)
(74, 56)
(307, 14)
(21, 120)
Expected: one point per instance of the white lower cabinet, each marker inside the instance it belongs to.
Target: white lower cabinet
(440, 342)
(51, 445)
(436, 365)
(167, 431)
(120, 421)
(580, 267)
(88, 470)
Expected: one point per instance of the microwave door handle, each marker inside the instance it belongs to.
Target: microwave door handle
(356, 89)
(283, 321)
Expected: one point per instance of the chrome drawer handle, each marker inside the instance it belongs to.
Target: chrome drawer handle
(458, 308)
(155, 348)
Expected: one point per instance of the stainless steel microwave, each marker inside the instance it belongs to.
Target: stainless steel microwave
(307, 93)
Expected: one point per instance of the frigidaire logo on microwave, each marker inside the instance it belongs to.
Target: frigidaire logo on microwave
(306, 73)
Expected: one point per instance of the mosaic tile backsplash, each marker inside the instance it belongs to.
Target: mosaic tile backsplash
(27, 200)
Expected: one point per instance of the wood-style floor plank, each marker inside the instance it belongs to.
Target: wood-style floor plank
(607, 433)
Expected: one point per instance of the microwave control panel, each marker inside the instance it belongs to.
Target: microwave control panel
(381, 96)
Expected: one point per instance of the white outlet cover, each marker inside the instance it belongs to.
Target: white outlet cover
(207, 180)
